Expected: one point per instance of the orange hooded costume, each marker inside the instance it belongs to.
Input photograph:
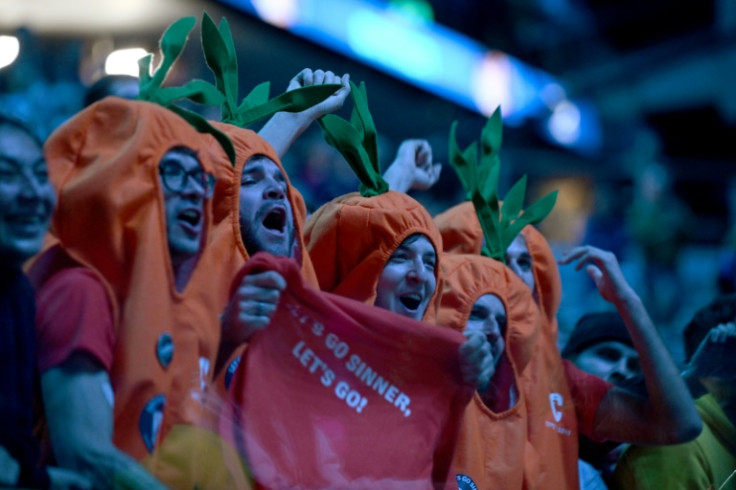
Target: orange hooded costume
(491, 444)
(555, 393)
(110, 220)
(351, 238)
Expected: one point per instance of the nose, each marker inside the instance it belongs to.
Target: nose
(417, 273)
(274, 190)
(31, 188)
(620, 371)
(193, 187)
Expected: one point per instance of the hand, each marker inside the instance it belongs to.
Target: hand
(476, 361)
(714, 356)
(603, 267)
(413, 168)
(307, 78)
(62, 478)
(252, 306)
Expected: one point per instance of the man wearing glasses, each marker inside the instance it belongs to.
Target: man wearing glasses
(126, 335)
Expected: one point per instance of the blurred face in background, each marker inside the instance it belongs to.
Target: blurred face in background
(26, 196)
(519, 260)
(611, 360)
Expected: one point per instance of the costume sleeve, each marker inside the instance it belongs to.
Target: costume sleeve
(74, 316)
(587, 392)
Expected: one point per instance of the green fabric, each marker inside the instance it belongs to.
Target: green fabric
(172, 44)
(706, 462)
(500, 223)
(219, 53)
(357, 142)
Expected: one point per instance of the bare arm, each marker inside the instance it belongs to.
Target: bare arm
(285, 127)
(80, 420)
(413, 167)
(668, 415)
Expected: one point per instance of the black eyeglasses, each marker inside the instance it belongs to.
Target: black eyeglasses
(175, 178)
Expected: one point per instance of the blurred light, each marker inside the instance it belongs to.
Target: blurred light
(282, 13)
(396, 37)
(413, 9)
(491, 84)
(552, 94)
(124, 61)
(564, 123)
(9, 49)
(389, 42)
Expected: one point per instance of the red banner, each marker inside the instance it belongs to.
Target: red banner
(337, 394)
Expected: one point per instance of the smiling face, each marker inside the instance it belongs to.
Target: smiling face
(408, 279)
(266, 218)
(26, 196)
(185, 190)
(489, 317)
(519, 260)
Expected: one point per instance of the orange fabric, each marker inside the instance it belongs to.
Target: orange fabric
(491, 446)
(553, 429)
(460, 229)
(226, 242)
(110, 219)
(552, 432)
(351, 238)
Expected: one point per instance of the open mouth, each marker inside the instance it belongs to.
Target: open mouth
(275, 219)
(411, 301)
(192, 217)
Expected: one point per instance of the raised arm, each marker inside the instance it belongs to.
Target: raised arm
(79, 408)
(285, 127)
(413, 167)
(668, 415)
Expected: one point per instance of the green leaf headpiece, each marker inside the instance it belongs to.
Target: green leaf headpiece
(356, 141)
(219, 53)
(500, 223)
(172, 44)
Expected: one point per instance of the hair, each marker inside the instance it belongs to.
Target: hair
(721, 310)
(594, 328)
(105, 86)
(7, 120)
(184, 150)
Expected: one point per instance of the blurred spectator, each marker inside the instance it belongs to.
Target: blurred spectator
(26, 202)
(710, 460)
(601, 345)
(123, 86)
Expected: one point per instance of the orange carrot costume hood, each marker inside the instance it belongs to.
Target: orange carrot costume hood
(461, 233)
(110, 219)
(226, 242)
(351, 238)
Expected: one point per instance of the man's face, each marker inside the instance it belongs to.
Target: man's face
(185, 188)
(266, 218)
(489, 317)
(26, 196)
(611, 360)
(407, 281)
(519, 260)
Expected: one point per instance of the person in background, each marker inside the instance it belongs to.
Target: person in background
(600, 345)
(26, 203)
(709, 461)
